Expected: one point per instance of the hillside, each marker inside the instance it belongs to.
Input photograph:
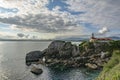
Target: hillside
(111, 70)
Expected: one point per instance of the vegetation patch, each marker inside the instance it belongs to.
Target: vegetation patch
(111, 70)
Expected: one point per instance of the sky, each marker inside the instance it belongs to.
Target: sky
(52, 19)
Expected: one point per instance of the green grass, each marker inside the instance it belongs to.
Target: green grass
(111, 70)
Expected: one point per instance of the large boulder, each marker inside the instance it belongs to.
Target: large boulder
(91, 66)
(59, 49)
(36, 70)
(57, 44)
(33, 56)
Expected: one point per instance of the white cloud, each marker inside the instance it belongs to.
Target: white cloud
(34, 16)
(24, 7)
(7, 35)
(48, 23)
(19, 28)
(103, 30)
(80, 5)
(57, 8)
(101, 13)
(37, 17)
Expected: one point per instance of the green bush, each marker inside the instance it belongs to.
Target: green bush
(81, 46)
(86, 44)
(114, 45)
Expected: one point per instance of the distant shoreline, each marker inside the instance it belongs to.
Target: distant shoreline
(21, 40)
(35, 40)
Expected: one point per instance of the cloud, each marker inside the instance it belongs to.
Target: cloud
(103, 30)
(7, 35)
(27, 36)
(48, 23)
(21, 35)
(34, 37)
(100, 13)
(21, 28)
(35, 16)
(23, 7)
(8, 10)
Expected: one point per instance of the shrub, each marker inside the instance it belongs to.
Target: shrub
(114, 45)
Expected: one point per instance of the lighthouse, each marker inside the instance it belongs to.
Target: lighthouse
(93, 39)
(92, 36)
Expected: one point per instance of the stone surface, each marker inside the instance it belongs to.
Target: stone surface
(33, 56)
(91, 66)
(75, 51)
(61, 49)
(65, 54)
(36, 70)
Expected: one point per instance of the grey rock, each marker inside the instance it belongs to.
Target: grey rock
(81, 59)
(75, 51)
(33, 56)
(56, 44)
(64, 54)
(91, 66)
(36, 71)
(59, 49)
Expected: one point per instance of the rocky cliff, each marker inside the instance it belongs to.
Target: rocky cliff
(61, 54)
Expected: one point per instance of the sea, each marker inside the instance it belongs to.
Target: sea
(13, 67)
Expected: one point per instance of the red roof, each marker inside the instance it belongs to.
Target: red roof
(92, 37)
(101, 38)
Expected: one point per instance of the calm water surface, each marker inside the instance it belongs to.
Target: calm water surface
(12, 64)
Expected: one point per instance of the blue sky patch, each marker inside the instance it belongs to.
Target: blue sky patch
(53, 3)
(90, 26)
(3, 25)
(8, 10)
(64, 7)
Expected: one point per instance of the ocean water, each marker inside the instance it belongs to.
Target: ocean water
(13, 67)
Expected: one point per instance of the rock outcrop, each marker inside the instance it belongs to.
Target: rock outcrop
(36, 70)
(61, 54)
(33, 56)
(60, 50)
